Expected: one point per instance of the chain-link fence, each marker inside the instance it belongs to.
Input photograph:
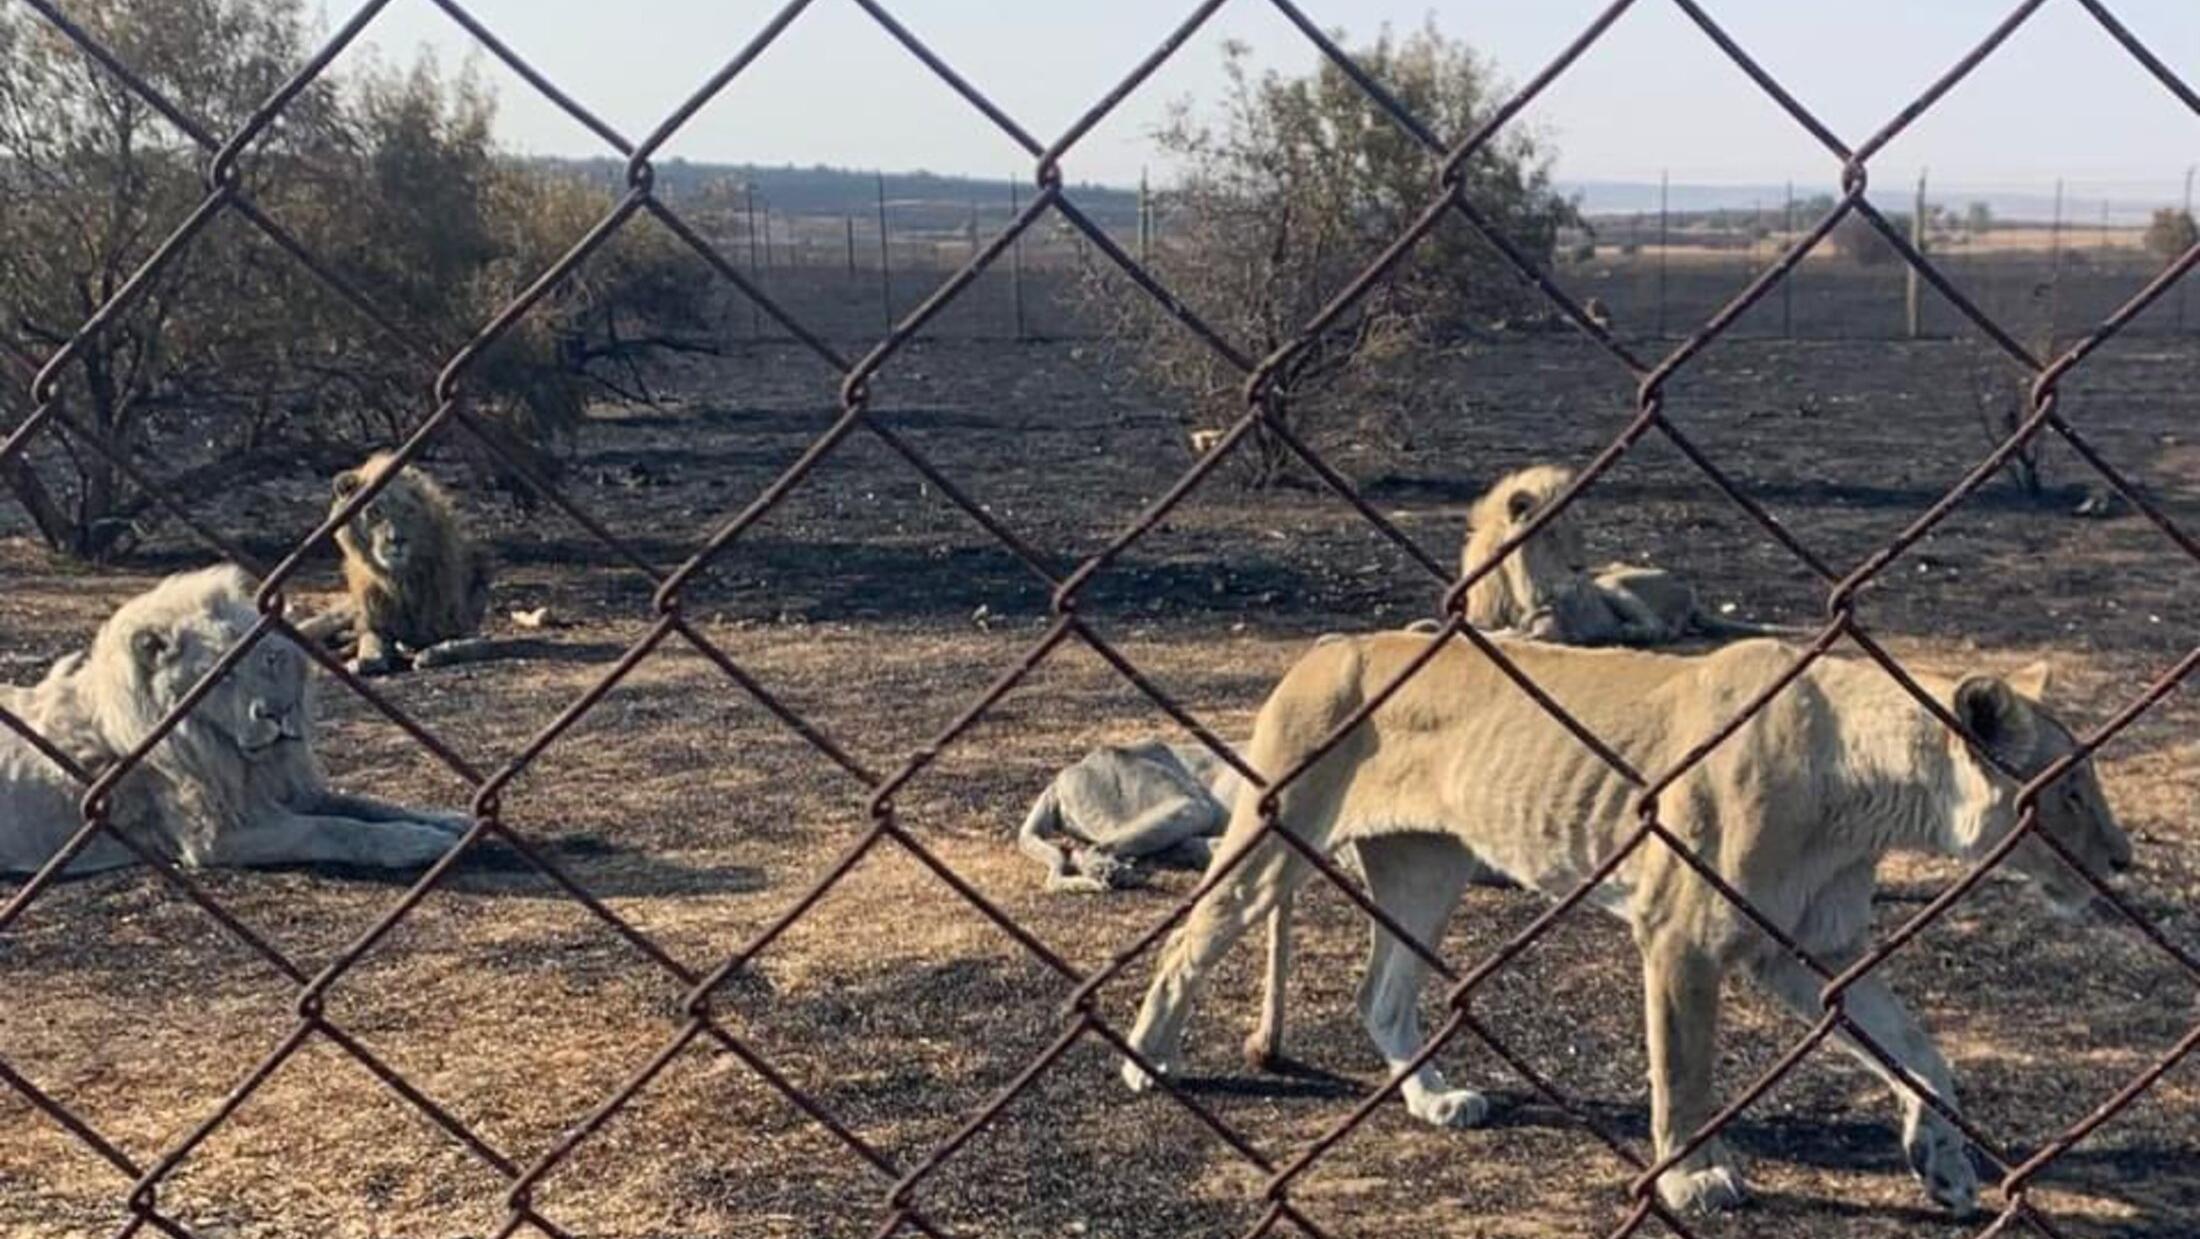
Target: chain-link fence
(902, 1207)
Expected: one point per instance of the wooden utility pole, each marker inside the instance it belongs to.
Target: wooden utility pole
(748, 207)
(2185, 286)
(1913, 302)
(1662, 220)
(885, 265)
(756, 313)
(1145, 219)
(1016, 259)
(850, 220)
(1787, 286)
(2054, 269)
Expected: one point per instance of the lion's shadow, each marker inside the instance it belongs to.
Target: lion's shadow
(2152, 1181)
(604, 870)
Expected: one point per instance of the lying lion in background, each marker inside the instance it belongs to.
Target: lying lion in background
(416, 583)
(235, 783)
(1121, 804)
(1545, 589)
(1795, 811)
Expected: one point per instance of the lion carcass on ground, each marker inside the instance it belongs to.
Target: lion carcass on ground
(1546, 590)
(1794, 811)
(235, 783)
(416, 582)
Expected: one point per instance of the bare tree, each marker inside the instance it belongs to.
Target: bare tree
(1284, 194)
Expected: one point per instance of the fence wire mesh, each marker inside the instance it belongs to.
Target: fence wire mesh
(901, 1207)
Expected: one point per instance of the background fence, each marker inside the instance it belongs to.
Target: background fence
(903, 1185)
(1656, 285)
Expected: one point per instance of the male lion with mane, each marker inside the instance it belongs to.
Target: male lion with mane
(1795, 811)
(235, 783)
(416, 584)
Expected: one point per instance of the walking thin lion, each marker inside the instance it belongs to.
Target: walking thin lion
(1795, 811)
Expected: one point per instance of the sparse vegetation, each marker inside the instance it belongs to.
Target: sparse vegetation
(1283, 195)
(235, 358)
(2171, 232)
(1863, 244)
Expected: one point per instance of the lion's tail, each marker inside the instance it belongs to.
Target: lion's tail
(461, 650)
(1704, 623)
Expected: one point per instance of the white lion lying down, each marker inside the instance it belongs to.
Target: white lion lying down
(235, 783)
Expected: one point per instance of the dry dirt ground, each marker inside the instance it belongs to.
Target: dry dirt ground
(879, 612)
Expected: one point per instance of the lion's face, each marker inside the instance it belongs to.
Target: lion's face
(1557, 551)
(2022, 733)
(1551, 560)
(266, 698)
(172, 639)
(383, 532)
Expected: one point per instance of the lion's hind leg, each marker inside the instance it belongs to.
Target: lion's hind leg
(1935, 1150)
(461, 650)
(1636, 621)
(1416, 880)
(1264, 1046)
(1243, 899)
(457, 650)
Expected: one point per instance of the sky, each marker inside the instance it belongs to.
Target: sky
(2061, 99)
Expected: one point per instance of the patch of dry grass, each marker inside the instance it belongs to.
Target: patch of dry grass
(699, 819)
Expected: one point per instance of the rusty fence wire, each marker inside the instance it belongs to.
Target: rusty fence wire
(901, 1208)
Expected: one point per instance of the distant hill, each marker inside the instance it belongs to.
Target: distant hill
(918, 199)
(928, 201)
(2129, 204)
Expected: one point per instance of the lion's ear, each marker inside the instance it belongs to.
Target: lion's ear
(1991, 710)
(2032, 681)
(149, 647)
(1521, 505)
(348, 483)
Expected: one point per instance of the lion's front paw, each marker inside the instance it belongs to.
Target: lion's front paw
(1941, 1159)
(1075, 884)
(1713, 1184)
(1137, 1079)
(410, 845)
(368, 668)
(1107, 871)
(1451, 1107)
